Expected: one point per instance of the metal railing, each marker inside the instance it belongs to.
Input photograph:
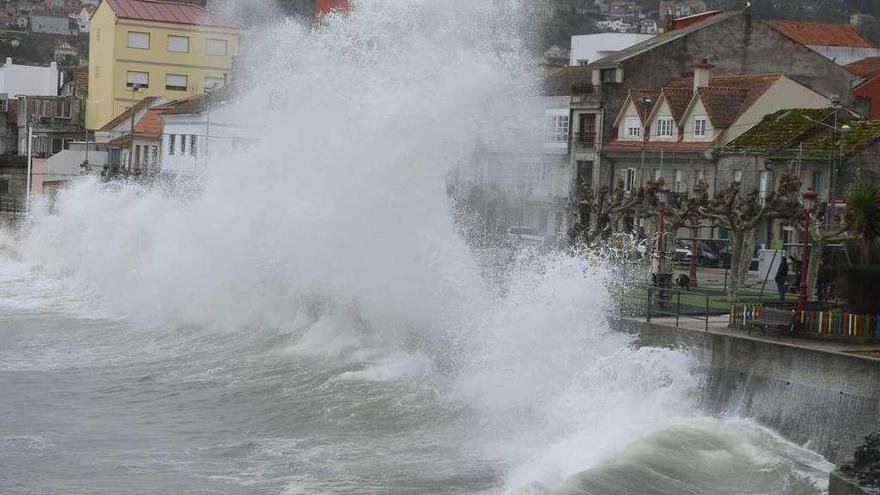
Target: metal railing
(11, 204)
(585, 139)
(669, 304)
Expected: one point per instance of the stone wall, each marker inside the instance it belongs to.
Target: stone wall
(824, 400)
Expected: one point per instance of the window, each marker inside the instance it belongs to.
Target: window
(4, 105)
(608, 75)
(4, 186)
(215, 46)
(677, 182)
(629, 179)
(818, 183)
(764, 186)
(738, 176)
(213, 82)
(64, 109)
(138, 40)
(171, 143)
(142, 79)
(664, 127)
(193, 145)
(699, 126)
(137, 155)
(154, 156)
(97, 71)
(557, 128)
(48, 108)
(183, 144)
(176, 82)
(583, 62)
(178, 44)
(633, 127)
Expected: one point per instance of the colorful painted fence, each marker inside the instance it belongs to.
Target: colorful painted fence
(832, 323)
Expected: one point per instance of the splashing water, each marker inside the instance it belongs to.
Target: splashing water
(311, 321)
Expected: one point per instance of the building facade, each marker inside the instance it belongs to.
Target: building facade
(139, 48)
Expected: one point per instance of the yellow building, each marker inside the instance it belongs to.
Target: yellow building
(166, 49)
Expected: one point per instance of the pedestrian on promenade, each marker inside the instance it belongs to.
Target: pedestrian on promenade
(781, 278)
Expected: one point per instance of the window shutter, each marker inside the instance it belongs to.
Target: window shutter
(139, 40)
(178, 44)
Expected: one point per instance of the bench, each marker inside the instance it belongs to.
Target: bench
(773, 319)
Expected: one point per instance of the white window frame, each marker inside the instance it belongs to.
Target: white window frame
(216, 43)
(664, 127)
(701, 125)
(4, 105)
(218, 82)
(632, 127)
(178, 39)
(557, 128)
(176, 87)
(47, 108)
(130, 82)
(677, 180)
(134, 43)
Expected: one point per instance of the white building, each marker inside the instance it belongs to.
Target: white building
(82, 19)
(194, 130)
(29, 80)
(588, 48)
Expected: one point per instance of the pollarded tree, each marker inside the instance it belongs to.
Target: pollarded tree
(863, 217)
(741, 214)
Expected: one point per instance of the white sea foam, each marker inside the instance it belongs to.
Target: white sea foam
(335, 234)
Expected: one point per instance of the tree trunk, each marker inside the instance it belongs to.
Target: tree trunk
(734, 281)
(817, 247)
(747, 250)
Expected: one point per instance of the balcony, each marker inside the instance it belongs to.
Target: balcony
(585, 94)
(585, 140)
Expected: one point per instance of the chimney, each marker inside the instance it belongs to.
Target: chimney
(668, 22)
(702, 73)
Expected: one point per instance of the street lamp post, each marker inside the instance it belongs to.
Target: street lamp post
(809, 198)
(660, 275)
(134, 90)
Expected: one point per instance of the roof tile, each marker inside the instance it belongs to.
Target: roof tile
(865, 67)
(821, 33)
(171, 12)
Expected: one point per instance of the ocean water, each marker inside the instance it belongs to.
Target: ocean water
(311, 319)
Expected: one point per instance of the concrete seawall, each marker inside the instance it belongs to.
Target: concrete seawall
(827, 401)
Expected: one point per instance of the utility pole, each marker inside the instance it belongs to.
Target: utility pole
(134, 90)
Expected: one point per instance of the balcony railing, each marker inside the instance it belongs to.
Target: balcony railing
(585, 139)
(11, 204)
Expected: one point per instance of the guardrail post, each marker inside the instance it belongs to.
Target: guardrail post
(648, 313)
(678, 308)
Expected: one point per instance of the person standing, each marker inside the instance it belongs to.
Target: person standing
(781, 278)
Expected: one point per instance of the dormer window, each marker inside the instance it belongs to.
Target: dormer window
(700, 127)
(633, 127)
(663, 127)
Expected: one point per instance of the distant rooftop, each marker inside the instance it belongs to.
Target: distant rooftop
(821, 34)
(865, 67)
(170, 12)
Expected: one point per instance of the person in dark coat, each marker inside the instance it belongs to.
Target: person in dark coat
(782, 278)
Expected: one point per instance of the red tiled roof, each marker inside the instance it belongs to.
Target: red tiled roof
(140, 105)
(171, 12)
(639, 97)
(727, 97)
(821, 33)
(678, 100)
(683, 22)
(657, 146)
(865, 67)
